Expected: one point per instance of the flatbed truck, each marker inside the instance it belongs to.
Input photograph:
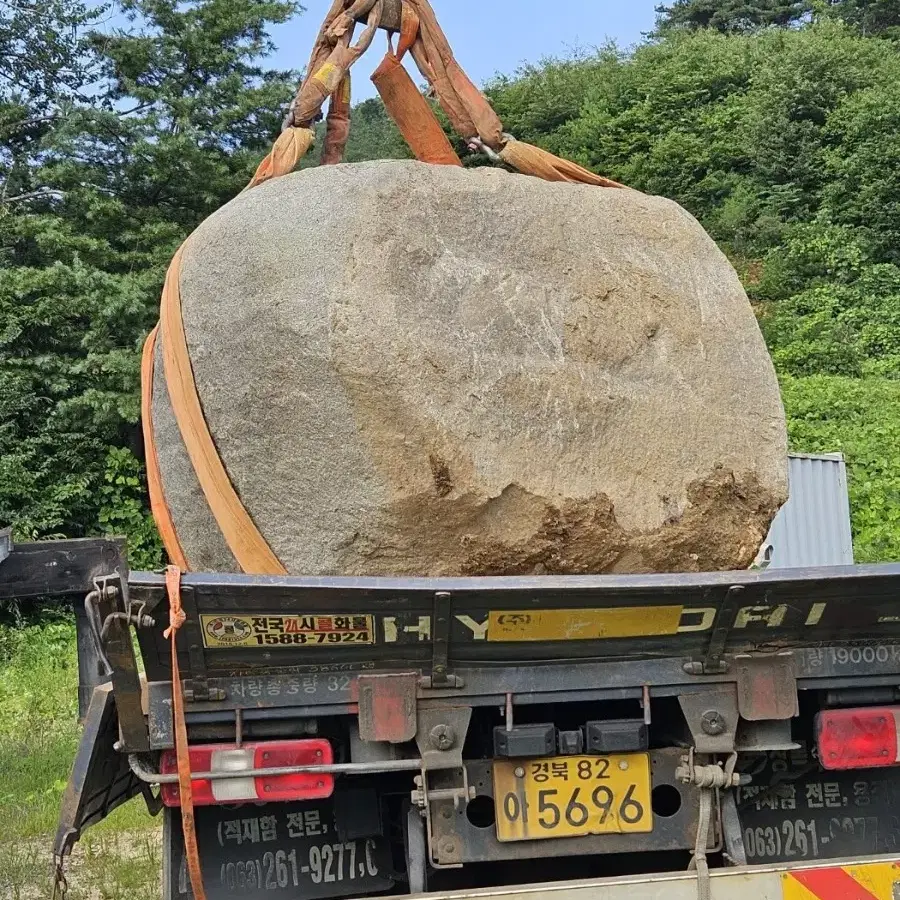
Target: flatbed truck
(717, 735)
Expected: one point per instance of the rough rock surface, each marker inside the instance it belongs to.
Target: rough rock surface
(420, 370)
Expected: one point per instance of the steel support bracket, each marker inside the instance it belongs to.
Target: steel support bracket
(712, 717)
(119, 650)
(441, 734)
(766, 686)
(387, 707)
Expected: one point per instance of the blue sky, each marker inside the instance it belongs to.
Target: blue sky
(490, 37)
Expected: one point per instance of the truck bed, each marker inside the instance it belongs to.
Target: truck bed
(730, 665)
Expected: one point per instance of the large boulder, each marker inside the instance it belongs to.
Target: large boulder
(420, 370)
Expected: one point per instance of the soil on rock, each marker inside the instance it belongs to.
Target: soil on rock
(421, 370)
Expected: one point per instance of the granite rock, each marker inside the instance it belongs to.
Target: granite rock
(422, 370)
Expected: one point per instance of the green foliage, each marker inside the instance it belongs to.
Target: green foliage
(38, 737)
(141, 134)
(862, 165)
(743, 130)
(373, 134)
(870, 17)
(731, 15)
(38, 707)
(858, 417)
(123, 509)
(837, 313)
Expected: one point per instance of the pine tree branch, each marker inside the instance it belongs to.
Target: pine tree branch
(40, 194)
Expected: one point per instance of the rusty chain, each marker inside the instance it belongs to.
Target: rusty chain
(60, 882)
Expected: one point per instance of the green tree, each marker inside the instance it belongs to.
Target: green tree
(862, 165)
(181, 110)
(44, 63)
(373, 134)
(871, 17)
(731, 15)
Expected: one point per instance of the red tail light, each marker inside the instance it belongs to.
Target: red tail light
(858, 738)
(248, 757)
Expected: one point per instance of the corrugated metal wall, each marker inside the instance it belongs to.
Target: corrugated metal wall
(813, 527)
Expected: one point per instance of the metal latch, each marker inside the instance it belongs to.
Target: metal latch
(712, 662)
(199, 690)
(440, 676)
(441, 736)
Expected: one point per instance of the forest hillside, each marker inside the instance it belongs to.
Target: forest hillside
(774, 122)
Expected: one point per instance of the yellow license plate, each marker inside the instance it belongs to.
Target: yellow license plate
(572, 796)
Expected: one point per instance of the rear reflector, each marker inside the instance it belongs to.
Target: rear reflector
(858, 738)
(252, 789)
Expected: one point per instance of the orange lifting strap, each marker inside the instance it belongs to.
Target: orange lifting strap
(177, 618)
(328, 78)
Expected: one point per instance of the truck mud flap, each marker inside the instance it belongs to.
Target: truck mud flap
(281, 851)
(795, 812)
(101, 778)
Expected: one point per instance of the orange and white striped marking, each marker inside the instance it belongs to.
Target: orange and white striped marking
(871, 881)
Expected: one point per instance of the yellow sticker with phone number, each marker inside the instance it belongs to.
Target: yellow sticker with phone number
(274, 631)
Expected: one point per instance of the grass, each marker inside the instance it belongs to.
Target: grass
(117, 859)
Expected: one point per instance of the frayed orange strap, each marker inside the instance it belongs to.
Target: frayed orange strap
(250, 549)
(412, 115)
(162, 515)
(337, 125)
(531, 160)
(292, 145)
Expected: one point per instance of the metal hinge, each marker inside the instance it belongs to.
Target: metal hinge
(199, 690)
